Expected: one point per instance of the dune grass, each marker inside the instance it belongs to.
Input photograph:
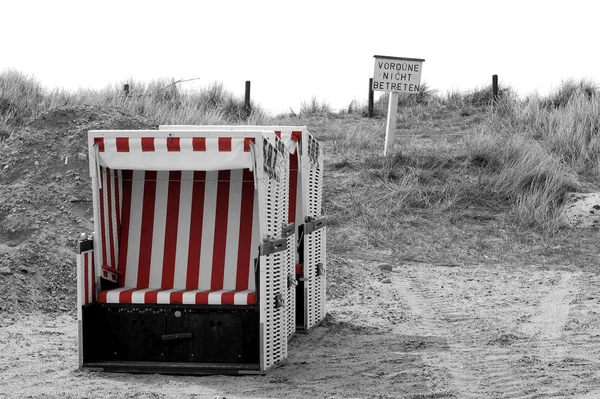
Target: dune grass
(23, 98)
(457, 156)
(459, 160)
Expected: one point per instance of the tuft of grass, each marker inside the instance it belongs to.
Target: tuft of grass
(523, 171)
(478, 97)
(315, 108)
(356, 137)
(569, 90)
(424, 96)
(20, 97)
(569, 132)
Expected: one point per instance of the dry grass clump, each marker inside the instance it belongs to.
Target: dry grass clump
(359, 137)
(315, 108)
(424, 96)
(569, 90)
(418, 181)
(20, 97)
(535, 151)
(478, 97)
(376, 201)
(520, 170)
(570, 132)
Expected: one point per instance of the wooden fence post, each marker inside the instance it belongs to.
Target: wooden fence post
(495, 94)
(370, 110)
(247, 106)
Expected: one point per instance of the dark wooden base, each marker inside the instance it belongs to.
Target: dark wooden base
(171, 338)
(175, 368)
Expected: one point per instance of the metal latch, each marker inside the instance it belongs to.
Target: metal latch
(288, 230)
(273, 246)
(320, 269)
(313, 224)
(279, 301)
(292, 282)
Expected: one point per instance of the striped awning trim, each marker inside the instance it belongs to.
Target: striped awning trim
(175, 153)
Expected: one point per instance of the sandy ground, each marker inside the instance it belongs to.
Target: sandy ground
(415, 331)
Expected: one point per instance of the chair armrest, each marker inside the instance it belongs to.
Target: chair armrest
(110, 273)
(86, 274)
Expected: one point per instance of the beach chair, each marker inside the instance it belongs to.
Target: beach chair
(187, 269)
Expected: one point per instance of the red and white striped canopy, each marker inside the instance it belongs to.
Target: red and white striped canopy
(153, 150)
(290, 135)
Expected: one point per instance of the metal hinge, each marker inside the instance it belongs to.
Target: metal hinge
(273, 246)
(313, 224)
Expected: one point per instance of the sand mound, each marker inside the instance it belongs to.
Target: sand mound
(45, 202)
(582, 210)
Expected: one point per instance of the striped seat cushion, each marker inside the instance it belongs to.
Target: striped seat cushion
(176, 296)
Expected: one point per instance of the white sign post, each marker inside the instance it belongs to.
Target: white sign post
(395, 75)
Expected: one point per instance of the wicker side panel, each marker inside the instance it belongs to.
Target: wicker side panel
(273, 323)
(315, 192)
(315, 266)
(290, 301)
(273, 270)
(290, 290)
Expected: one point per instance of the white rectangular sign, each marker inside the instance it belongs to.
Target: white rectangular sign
(397, 74)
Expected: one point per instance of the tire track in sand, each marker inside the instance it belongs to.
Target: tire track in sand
(506, 334)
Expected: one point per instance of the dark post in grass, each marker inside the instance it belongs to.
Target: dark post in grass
(370, 111)
(126, 90)
(247, 106)
(495, 94)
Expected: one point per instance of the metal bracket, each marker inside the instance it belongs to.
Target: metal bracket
(273, 246)
(292, 282)
(320, 269)
(279, 301)
(288, 230)
(313, 224)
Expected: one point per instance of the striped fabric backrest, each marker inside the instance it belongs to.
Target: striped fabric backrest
(292, 136)
(185, 229)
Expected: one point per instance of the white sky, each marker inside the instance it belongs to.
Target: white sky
(292, 51)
